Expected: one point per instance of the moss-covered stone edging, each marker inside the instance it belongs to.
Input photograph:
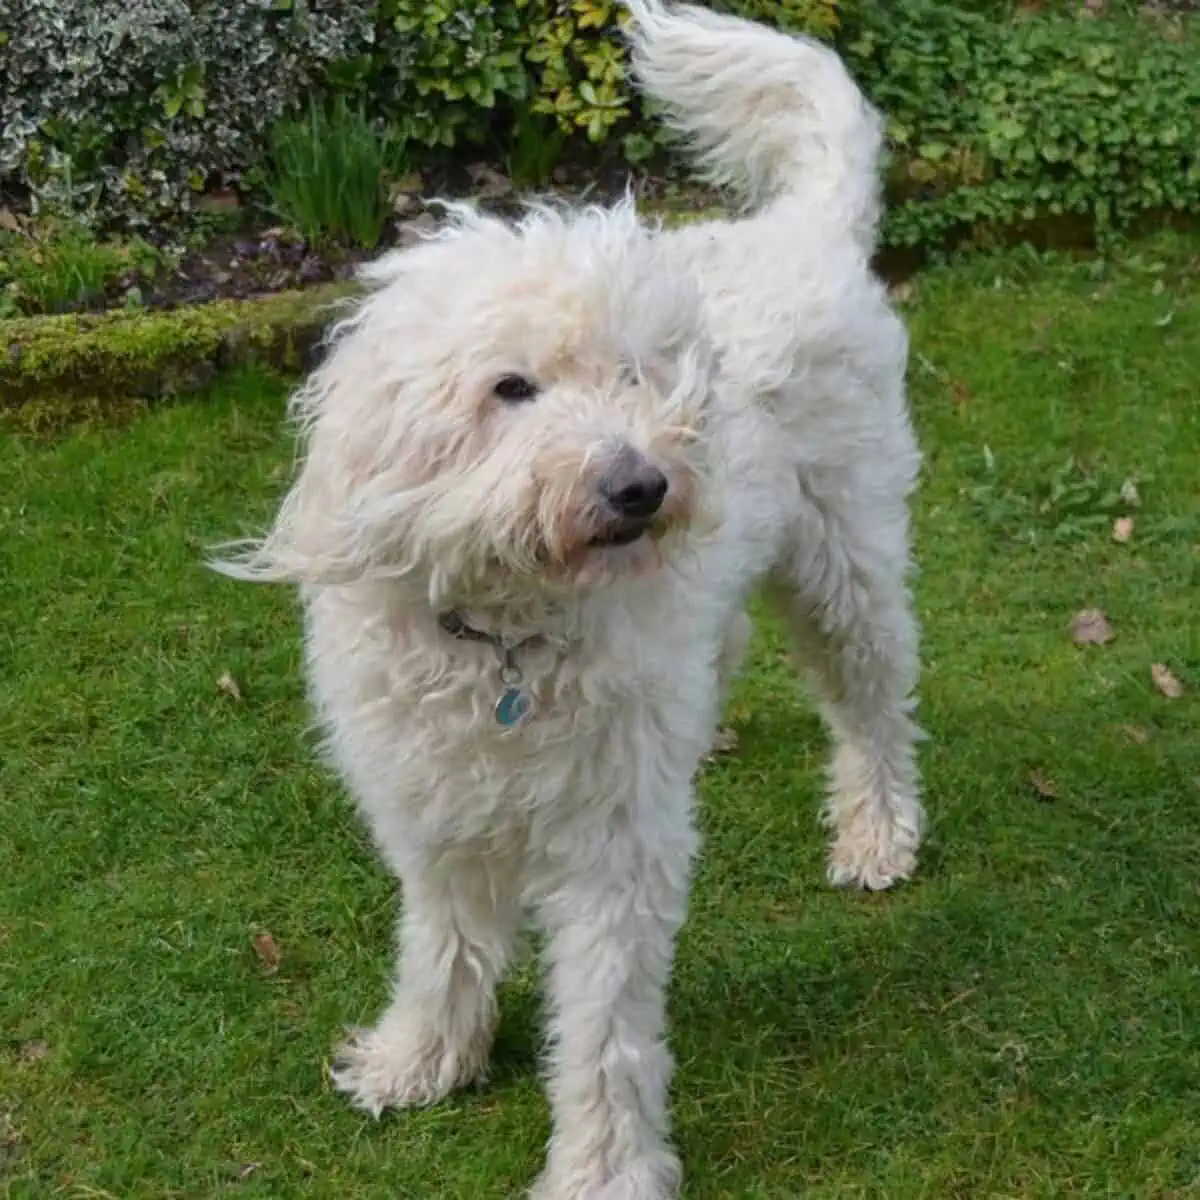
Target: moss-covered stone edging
(54, 370)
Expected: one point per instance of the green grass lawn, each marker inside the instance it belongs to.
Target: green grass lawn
(1022, 1020)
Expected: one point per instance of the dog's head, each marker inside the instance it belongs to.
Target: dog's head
(510, 408)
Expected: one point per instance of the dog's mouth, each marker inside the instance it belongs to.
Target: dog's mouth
(622, 533)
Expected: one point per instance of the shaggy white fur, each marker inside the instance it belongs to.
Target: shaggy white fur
(547, 464)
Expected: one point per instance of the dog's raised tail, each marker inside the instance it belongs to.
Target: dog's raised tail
(770, 115)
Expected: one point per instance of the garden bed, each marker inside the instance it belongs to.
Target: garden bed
(247, 254)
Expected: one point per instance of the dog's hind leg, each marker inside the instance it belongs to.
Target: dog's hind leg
(733, 653)
(729, 663)
(458, 925)
(850, 614)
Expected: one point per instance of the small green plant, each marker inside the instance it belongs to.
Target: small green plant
(1064, 506)
(534, 149)
(67, 269)
(331, 174)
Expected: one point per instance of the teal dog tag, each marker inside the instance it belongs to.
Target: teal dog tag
(514, 706)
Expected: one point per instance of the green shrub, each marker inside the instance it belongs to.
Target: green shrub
(331, 173)
(125, 110)
(997, 125)
(533, 148)
(576, 57)
(441, 68)
(997, 118)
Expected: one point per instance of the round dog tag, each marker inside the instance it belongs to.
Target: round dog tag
(514, 706)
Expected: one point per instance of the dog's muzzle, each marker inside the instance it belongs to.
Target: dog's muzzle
(633, 492)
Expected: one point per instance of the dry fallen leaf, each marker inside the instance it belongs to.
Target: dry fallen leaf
(492, 184)
(1043, 785)
(900, 293)
(1166, 682)
(266, 950)
(1090, 628)
(1173, 31)
(246, 1169)
(1129, 494)
(10, 1135)
(414, 181)
(229, 686)
(724, 742)
(1122, 529)
(35, 1051)
(1135, 733)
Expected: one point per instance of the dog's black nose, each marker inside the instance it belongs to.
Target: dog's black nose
(635, 489)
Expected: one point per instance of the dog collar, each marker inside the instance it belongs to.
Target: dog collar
(514, 705)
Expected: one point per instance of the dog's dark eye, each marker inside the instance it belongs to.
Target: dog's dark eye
(513, 389)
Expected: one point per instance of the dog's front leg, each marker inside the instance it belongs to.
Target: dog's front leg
(612, 916)
(460, 917)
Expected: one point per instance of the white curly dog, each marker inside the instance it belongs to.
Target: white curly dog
(545, 467)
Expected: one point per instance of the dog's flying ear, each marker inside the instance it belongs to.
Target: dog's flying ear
(316, 537)
(312, 539)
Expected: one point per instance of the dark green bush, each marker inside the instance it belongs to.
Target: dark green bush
(441, 67)
(125, 110)
(997, 125)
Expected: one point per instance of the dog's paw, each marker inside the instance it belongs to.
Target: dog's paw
(655, 1177)
(871, 855)
(402, 1068)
